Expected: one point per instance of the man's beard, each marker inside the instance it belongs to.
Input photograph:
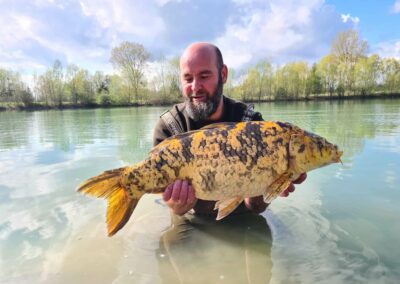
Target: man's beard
(200, 111)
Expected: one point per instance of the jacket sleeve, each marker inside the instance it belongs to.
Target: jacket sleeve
(161, 132)
(257, 117)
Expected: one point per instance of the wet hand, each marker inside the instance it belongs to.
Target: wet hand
(179, 197)
(291, 187)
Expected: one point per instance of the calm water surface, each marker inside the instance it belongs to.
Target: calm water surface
(340, 226)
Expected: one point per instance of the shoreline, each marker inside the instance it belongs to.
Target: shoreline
(40, 107)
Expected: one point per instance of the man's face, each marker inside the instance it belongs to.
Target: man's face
(202, 84)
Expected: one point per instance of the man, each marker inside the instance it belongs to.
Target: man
(203, 74)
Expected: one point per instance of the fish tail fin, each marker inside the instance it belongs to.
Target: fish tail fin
(120, 203)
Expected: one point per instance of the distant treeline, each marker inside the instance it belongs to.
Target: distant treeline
(346, 71)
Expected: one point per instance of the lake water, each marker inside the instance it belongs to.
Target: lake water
(340, 226)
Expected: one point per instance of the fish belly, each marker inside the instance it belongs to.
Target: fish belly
(217, 177)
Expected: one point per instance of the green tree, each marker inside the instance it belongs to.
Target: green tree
(291, 80)
(119, 92)
(159, 82)
(173, 77)
(72, 84)
(13, 90)
(130, 58)
(366, 73)
(101, 84)
(58, 94)
(250, 85)
(263, 79)
(280, 81)
(165, 81)
(229, 81)
(8, 83)
(348, 48)
(314, 82)
(391, 75)
(80, 86)
(257, 84)
(327, 70)
(50, 85)
(25, 96)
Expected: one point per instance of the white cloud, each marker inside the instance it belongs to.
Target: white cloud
(293, 30)
(396, 7)
(83, 32)
(164, 2)
(388, 49)
(30, 251)
(346, 18)
(46, 3)
(21, 220)
(138, 18)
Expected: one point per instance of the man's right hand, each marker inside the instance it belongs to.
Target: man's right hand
(180, 197)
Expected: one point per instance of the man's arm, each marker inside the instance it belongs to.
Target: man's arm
(160, 133)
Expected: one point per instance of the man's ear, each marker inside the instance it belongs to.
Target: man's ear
(224, 73)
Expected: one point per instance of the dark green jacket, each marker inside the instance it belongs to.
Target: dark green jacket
(234, 111)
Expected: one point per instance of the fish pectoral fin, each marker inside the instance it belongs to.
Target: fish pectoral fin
(277, 187)
(226, 206)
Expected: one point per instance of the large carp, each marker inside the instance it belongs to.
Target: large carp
(226, 162)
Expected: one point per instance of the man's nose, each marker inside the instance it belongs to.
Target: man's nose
(196, 85)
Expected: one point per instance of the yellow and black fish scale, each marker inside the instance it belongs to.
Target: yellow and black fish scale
(209, 156)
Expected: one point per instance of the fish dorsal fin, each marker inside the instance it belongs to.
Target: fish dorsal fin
(226, 206)
(169, 139)
(220, 125)
(277, 187)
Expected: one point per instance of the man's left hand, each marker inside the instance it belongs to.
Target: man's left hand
(291, 187)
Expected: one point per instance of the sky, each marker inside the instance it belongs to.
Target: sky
(33, 34)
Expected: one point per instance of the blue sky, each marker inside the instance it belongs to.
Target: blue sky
(35, 33)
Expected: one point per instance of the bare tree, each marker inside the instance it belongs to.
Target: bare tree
(348, 47)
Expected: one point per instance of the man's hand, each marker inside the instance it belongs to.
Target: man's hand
(291, 187)
(180, 197)
(256, 204)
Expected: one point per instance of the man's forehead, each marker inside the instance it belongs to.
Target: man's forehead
(195, 66)
(198, 56)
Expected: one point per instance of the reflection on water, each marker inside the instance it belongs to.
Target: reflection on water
(200, 250)
(340, 226)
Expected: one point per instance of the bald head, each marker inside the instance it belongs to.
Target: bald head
(204, 50)
(203, 75)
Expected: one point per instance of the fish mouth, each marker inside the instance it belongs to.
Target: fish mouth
(338, 157)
